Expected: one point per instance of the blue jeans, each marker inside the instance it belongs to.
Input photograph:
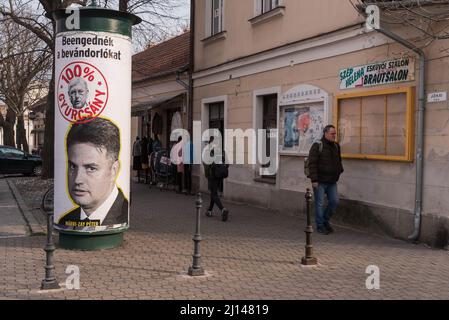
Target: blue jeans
(322, 216)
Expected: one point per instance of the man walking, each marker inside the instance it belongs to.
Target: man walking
(325, 167)
(215, 173)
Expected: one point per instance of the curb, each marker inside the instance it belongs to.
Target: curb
(34, 226)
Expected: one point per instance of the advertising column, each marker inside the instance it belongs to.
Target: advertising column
(92, 128)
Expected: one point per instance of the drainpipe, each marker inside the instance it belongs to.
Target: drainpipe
(178, 79)
(421, 114)
(191, 65)
(185, 85)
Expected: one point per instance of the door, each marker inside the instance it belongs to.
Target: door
(216, 121)
(216, 118)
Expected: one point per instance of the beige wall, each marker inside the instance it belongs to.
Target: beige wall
(303, 19)
(386, 183)
(236, 66)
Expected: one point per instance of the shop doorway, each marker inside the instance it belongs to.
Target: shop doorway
(216, 121)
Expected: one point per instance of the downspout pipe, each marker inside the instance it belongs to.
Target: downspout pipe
(191, 66)
(178, 79)
(420, 142)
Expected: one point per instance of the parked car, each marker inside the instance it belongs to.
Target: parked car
(13, 160)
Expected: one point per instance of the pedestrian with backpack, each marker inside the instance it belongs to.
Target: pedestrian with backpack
(215, 174)
(324, 167)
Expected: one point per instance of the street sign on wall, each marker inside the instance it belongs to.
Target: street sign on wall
(437, 97)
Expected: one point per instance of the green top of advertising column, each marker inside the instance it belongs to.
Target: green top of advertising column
(96, 19)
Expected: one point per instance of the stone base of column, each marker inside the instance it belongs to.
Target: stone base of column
(195, 272)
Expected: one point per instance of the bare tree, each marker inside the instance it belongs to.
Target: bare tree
(429, 18)
(23, 62)
(159, 20)
(153, 11)
(44, 30)
(8, 122)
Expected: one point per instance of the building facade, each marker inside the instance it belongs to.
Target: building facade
(160, 89)
(293, 66)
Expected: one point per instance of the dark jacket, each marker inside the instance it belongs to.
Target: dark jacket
(118, 213)
(325, 166)
(209, 168)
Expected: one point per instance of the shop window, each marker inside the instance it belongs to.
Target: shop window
(377, 124)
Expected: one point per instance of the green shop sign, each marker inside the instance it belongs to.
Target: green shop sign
(378, 73)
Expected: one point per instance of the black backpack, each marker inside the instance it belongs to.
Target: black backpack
(306, 160)
(220, 171)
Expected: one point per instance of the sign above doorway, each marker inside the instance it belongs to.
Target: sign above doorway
(378, 73)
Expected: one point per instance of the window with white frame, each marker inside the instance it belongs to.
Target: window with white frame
(265, 116)
(214, 17)
(268, 5)
(264, 6)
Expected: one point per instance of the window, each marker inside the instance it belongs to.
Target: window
(15, 154)
(214, 21)
(265, 148)
(269, 122)
(217, 16)
(266, 10)
(268, 5)
(376, 125)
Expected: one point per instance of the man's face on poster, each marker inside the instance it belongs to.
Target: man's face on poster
(91, 175)
(303, 122)
(78, 94)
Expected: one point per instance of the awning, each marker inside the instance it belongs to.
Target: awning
(141, 108)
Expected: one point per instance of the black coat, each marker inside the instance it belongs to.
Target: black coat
(325, 166)
(118, 213)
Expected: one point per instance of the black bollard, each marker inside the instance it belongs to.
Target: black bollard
(309, 259)
(49, 282)
(196, 269)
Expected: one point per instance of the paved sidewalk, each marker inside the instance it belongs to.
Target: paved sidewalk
(12, 223)
(255, 255)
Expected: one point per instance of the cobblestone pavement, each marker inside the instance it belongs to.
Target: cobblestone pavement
(255, 256)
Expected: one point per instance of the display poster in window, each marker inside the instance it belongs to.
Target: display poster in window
(300, 127)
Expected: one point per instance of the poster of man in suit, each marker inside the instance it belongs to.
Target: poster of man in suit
(93, 150)
(92, 132)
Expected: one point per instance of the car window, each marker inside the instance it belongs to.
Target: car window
(15, 154)
(2, 153)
